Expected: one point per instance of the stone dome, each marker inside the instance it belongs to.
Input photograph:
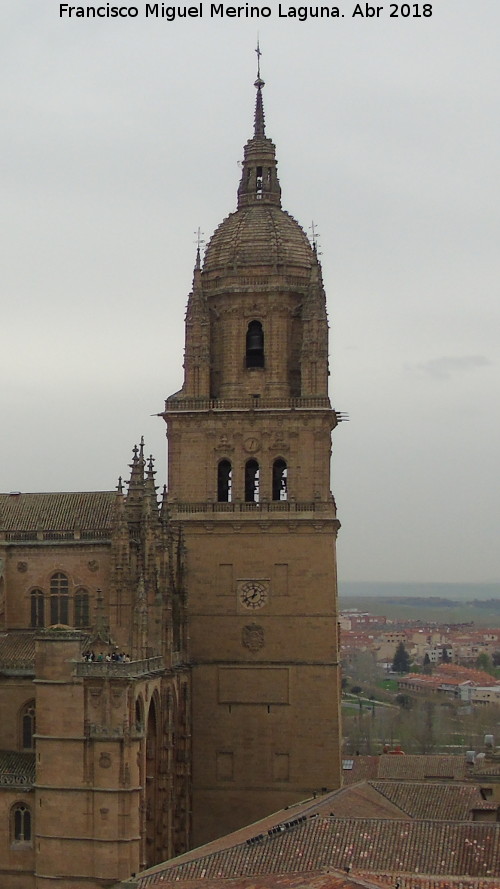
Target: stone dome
(258, 235)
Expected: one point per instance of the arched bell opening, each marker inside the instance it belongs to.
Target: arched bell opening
(224, 481)
(252, 481)
(280, 480)
(255, 345)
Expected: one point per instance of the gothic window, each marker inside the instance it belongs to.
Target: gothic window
(21, 823)
(224, 481)
(255, 345)
(27, 718)
(280, 481)
(82, 618)
(252, 473)
(37, 609)
(59, 599)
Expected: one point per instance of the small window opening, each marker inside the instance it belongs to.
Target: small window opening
(255, 345)
(280, 480)
(28, 726)
(22, 824)
(224, 481)
(252, 474)
(37, 609)
(82, 616)
(258, 182)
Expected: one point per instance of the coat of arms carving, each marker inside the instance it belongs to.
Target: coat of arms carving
(252, 637)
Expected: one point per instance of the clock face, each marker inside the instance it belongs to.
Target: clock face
(251, 445)
(253, 594)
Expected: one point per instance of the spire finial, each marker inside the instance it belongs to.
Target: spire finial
(259, 127)
(313, 228)
(199, 243)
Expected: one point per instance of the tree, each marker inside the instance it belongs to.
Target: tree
(404, 701)
(496, 658)
(484, 663)
(445, 657)
(427, 666)
(401, 660)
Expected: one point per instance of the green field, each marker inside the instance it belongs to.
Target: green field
(483, 613)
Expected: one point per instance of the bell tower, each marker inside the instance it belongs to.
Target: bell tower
(249, 445)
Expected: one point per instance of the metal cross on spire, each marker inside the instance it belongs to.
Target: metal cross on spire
(259, 53)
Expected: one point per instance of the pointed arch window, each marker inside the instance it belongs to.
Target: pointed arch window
(59, 599)
(252, 481)
(280, 480)
(37, 608)
(27, 726)
(139, 715)
(21, 823)
(82, 616)
(224, 481)
(255, 345)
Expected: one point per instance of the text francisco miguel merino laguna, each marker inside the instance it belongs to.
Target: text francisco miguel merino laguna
(214, 10)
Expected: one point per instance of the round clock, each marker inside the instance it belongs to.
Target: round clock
(251, 445)
(253, 594)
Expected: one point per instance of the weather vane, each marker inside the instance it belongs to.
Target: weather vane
(199, 240)
(314, 236)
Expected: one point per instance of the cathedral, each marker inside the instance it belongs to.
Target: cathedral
(169, 665)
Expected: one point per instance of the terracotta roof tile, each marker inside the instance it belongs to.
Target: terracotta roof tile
(363, 768)
(17, 650)
(416, 881)
(419, 767)
(16, 769)
(363, 800)
(373, 845)
(412, 767)
(333, 880)
(451, 802)
(87, 510)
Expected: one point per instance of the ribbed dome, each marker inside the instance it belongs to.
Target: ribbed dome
(258, 235)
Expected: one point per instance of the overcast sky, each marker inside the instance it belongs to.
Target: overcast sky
(121, 136)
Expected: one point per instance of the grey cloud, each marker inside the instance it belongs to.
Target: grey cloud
(449, 366)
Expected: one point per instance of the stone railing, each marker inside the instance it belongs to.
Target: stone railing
(17, 668)
(286, 507)
(250, 402)
(119, 669)
(12, 779)
(75, 534)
